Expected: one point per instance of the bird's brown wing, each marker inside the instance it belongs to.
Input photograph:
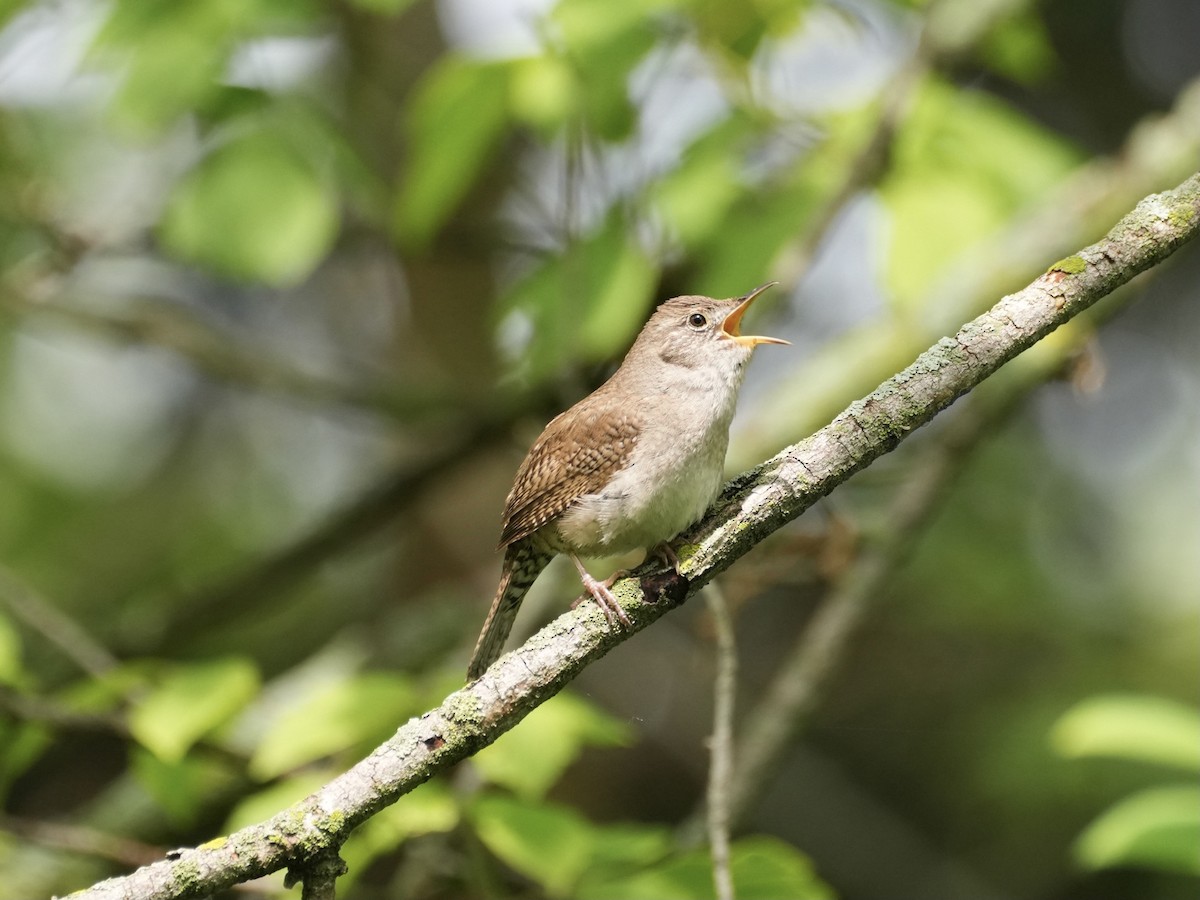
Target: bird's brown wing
(577, 454)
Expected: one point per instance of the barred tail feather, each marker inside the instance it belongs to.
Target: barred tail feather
(522, 564)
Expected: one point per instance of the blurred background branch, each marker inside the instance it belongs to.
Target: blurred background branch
(286, 290)
(27, 606)
(157, 323)
(81, 840)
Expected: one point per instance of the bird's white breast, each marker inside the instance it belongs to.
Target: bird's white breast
(673, 473)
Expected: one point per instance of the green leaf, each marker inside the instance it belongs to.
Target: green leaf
(360, 710)
(1156, 829)
(172, 53)
(253, 209)
(543, 91)
(551, 845)
(616, 301)
(620, 848)
(9, 8)
(190, 701)
(1130, 726)
(456, 116)
(603, 40)
(743, 250)
(232, 104)
(21, 745)
(587, 303)
(740, 27)
(531, 758)
(763, 868)
(109, 692)
(569, 856)
(331, 152)
(555, 846)
(932, 223)
(591, 28)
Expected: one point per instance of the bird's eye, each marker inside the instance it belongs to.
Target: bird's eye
(697, 320)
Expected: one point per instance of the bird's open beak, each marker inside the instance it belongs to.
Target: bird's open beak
(733, 322)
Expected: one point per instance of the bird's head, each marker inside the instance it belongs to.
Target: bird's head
(695, 331)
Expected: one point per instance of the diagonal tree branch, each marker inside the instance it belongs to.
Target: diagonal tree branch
(752, 506)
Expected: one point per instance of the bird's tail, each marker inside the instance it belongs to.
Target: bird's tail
(522, 564)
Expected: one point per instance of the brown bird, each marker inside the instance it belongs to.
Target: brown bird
(632, 464)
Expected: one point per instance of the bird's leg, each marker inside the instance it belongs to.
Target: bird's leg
(601, 592)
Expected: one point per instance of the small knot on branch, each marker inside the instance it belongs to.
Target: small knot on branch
(317, 875)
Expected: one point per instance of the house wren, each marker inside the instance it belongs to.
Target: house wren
(632, 464)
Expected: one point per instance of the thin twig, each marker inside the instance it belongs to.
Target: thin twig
(796, 687)
(221, 356)
(752, 506)
(31, 708)
(79, 839)
(383, 502)
(55, 625)
(721, 764)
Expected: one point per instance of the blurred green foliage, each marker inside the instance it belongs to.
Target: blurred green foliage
(952, 182)
(456, 119)
(268, 266)
(172, 55)
(1157, 827)
(187, 702)
(569, 857)
(530, 760)
(253, 209)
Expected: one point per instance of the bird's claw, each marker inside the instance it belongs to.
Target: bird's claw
(665, 553)
(601, 593)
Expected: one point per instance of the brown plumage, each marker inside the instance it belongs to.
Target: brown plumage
(574, 453)
(630, 465)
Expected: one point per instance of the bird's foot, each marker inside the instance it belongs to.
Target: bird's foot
(601, 593)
